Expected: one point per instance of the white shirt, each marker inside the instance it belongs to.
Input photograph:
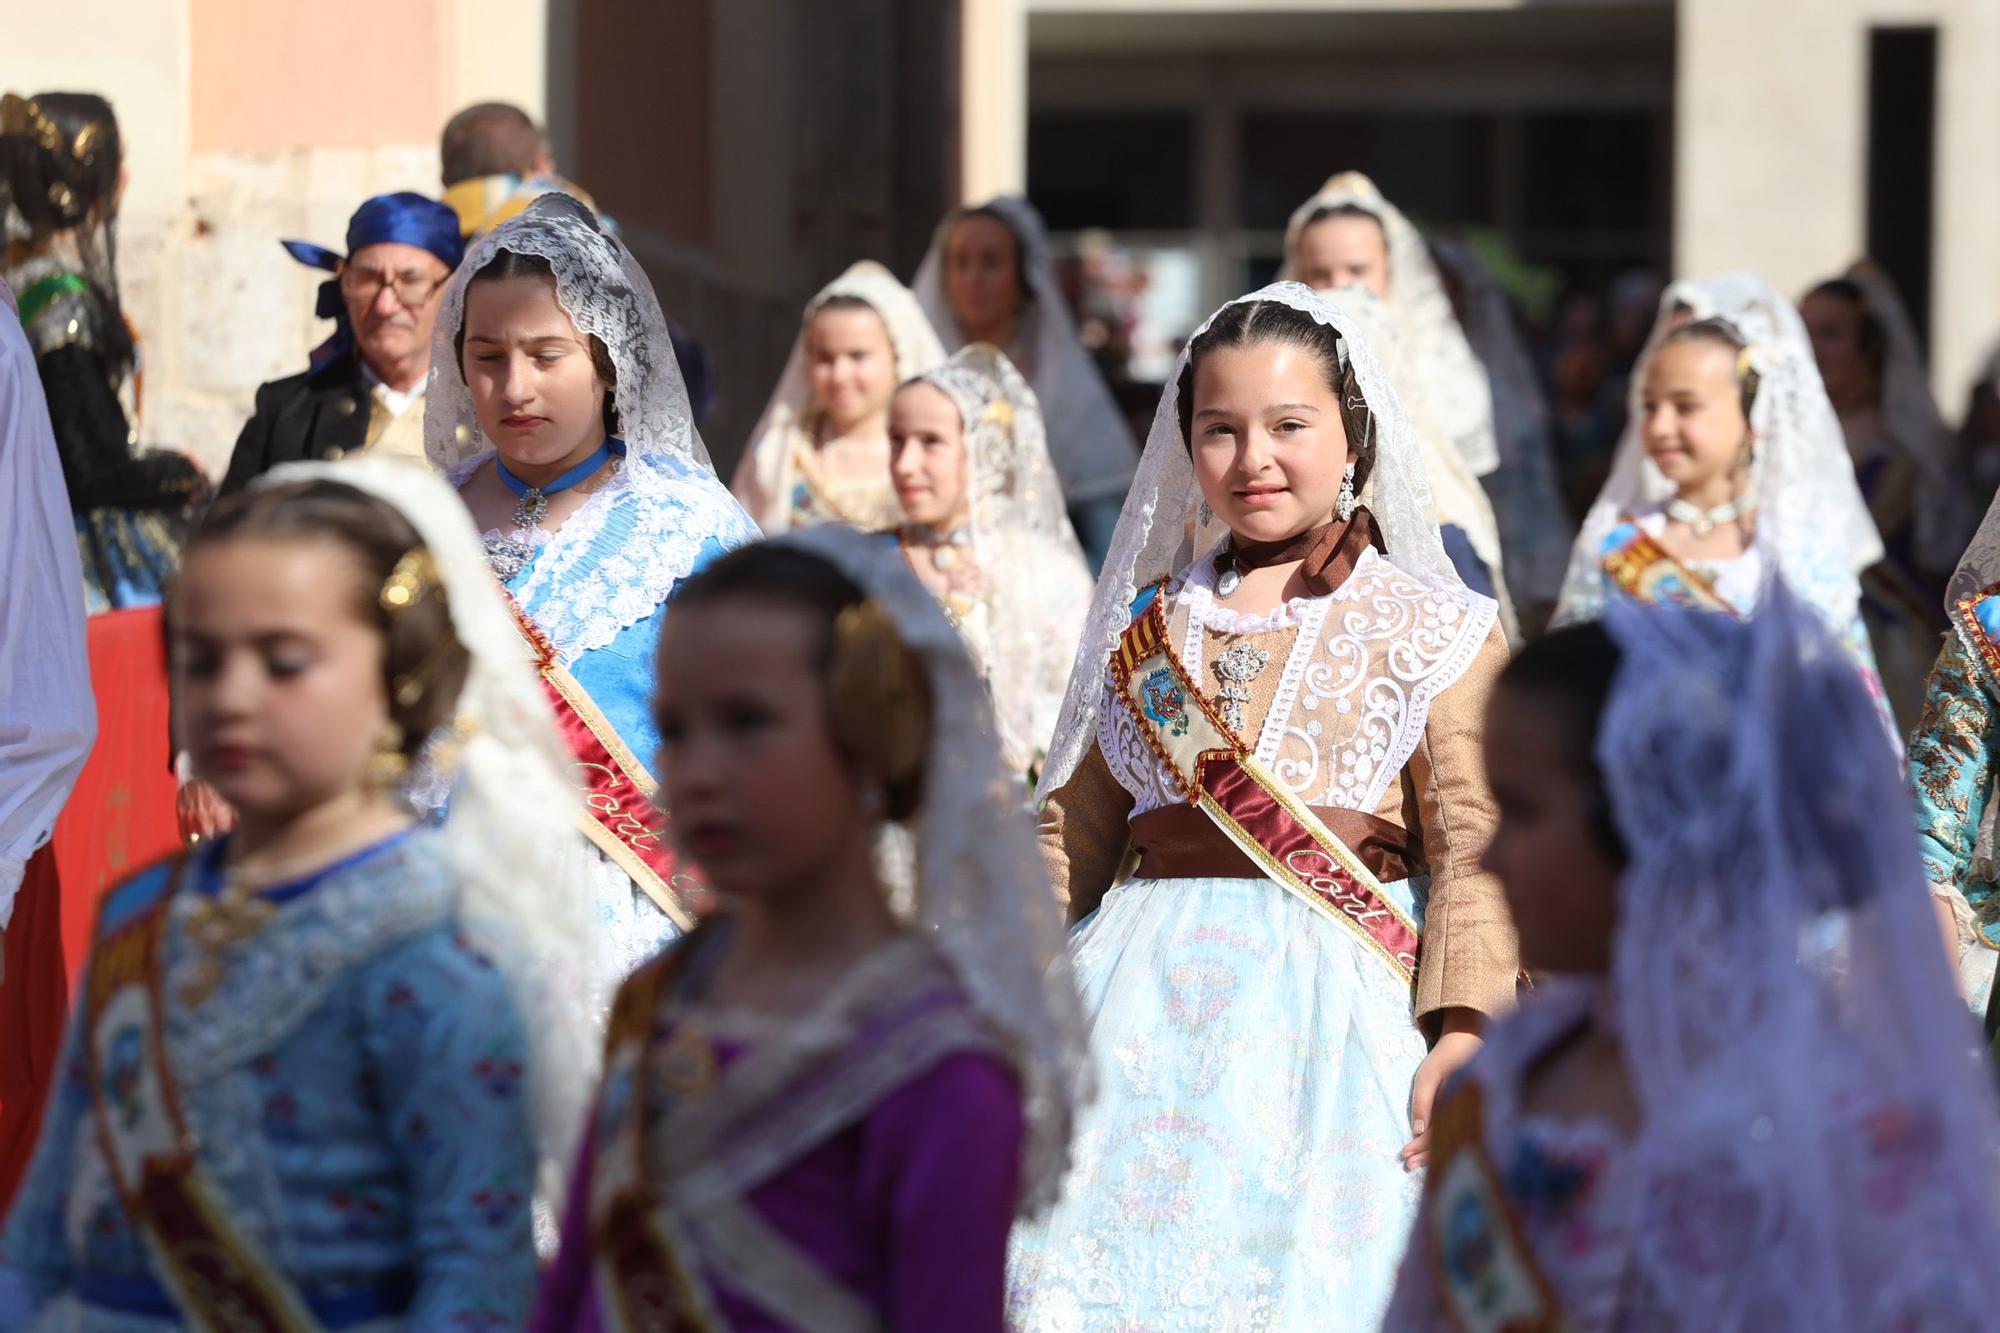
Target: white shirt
(47, 716)
(397, 401)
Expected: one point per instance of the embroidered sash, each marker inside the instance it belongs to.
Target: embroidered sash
(618, 815)
(1217, 773)
(1485, 1271)
(682, 1143)
(645, 1271)
(1638, 564)
(214, 1274)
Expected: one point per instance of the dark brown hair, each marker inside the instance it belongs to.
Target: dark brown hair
(422, 659)
(1719, 333)
(1572, 670)
(59, 162)
(65, 163)
(511, 264)
(860, 711)
(487, 140)
(1332, 211)
(1250, 323)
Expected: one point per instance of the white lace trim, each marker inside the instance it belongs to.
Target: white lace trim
(592, 579)
(1201, 594)
(1386, 643)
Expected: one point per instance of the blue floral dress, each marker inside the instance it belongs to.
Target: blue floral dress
(355, 1082)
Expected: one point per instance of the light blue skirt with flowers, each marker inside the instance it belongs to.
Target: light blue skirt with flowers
(1240, 1167)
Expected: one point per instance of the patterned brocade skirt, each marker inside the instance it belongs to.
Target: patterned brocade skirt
(1239, 1169)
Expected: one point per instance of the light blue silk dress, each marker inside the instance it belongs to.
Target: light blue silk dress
(599, 587)
(355, 1083)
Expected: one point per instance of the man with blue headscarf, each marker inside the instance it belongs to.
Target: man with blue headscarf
(364, 386)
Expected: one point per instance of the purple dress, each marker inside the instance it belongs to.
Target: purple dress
(909, 1208)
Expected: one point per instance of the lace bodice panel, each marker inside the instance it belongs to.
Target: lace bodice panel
(1343, 700)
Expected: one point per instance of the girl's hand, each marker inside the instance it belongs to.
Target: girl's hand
(1458, 1043)
(203, 812)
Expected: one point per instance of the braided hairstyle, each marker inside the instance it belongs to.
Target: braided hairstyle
(61, 158)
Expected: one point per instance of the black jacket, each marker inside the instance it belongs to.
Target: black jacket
(302, 417)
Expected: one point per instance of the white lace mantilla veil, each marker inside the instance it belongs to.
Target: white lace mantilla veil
(1153, 540)
(604, 292)
(1090, 441)
(1456, 494)
(513, 811)
(1454, 382)
(1915, 425)
(1819, 1146)
(980, 892)
(763, 480)
(1811, 521)
(1037, 584)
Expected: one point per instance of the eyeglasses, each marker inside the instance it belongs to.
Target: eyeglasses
(412, 289)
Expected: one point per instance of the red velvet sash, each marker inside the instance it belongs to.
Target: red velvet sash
(619, 814)
(1219, 775)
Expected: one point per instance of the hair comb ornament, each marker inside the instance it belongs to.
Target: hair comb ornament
(24, 116)
(413, 579)
(877, 692)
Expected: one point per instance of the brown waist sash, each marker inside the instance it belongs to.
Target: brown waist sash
(1182, 842)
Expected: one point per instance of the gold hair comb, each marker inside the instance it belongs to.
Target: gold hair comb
(410, 581)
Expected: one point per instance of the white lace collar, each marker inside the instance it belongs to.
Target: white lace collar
(273, 981)
(618, 557)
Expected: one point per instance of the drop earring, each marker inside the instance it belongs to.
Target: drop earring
(388, 766)
(1344, 504)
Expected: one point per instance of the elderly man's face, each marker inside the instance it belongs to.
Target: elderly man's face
(392, 291)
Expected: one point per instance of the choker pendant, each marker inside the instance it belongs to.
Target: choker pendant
(1228, 576)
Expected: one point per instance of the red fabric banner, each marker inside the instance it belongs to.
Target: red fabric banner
(120, 818)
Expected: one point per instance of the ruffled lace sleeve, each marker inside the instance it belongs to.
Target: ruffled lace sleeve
(1470, 955)
(1084, 834)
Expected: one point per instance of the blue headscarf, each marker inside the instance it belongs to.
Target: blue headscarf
(387, 219)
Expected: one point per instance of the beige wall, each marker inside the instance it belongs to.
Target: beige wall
(1771, 153)
(248, 121)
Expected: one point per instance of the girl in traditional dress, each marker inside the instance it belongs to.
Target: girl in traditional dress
(990, 277)
(1732, 468)
(557, 408)
(61, 175)
(984, 529)
(1349, 236)
(1905, 461)
(299, 1089)
(1286, 727)
(820, 453)
(1953, 768)
(824, 1108)
(1740, 1098)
